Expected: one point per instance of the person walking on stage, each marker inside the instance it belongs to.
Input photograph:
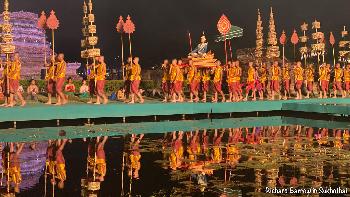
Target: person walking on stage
(135, 79)
(60, 74)
(101, 71)
(14, 76)
(218, 72)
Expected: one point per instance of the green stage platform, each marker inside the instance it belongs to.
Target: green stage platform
(73, 132)
(77, 111)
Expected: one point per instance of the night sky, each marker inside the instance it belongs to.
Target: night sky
(162, 25)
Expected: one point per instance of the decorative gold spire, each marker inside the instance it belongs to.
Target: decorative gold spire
(259, 37)
(272, 49)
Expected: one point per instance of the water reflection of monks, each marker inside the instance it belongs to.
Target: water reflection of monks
(97, 158)
(135, 156)
(232, 151)
(194, 148)
(177, 150)
(58, 171)
(217, 149)
(11, 164)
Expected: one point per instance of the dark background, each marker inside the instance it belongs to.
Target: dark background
(162, 25)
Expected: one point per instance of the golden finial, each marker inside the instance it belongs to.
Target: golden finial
(304, 26)
(90, 6)
(6, 6)
(85, 8)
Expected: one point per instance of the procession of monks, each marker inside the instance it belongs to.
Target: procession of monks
(270, 82)
(267, 82)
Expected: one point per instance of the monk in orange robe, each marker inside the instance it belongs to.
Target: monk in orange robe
(250, 82)
(309, 73)
(237, 81)
(165, 80)
(179, 81)
(193, 82)
(347, 79)
(275, 81)
(338, 79)
(218, 72)
(135, 79)
(205, 83)
(14, 75)
(50, 80)
(286, 80)
(323, 73)
(262, 79)
(101, 71)
(60, 74)
(127, 82)
(298, 74)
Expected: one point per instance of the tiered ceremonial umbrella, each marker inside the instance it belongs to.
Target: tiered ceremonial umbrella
(119, 27)
(332, 42)
(224, 27)
(42, 25)
(129, 28)
(294, 40)
(53, 24)
(283, 40)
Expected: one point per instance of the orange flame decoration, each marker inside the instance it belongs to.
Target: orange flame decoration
(283, 38)
(52, 21)
(120, 25)
(129, 26)
(331, 39)
(294, 39)
(42, 20)
(224, 25)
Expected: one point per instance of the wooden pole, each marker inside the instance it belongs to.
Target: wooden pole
(122, 58)
(53, 42)
(283, 54)
(130, 47)
(45, 179)
(225, 49)
(333, 56)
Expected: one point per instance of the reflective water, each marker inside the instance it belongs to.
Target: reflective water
(239, 161)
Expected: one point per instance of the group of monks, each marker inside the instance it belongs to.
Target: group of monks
(262, 80)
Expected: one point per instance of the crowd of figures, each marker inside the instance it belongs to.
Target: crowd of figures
(202, 155)
(263, 81)
(259, 81)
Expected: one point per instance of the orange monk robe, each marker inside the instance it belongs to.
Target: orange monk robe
(285, 73)
(309, 72)
(218, 74)
(298, 72)
(101, 71)
(251, 75)
(15, 70)
(338, 74)
(275, 73)
(135, 72)
(60, 71)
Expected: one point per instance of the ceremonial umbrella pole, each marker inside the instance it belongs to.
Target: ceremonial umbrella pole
(42, 25)
(53, 23)
(7, 43)
(121, 31)
(283, 42)
(294, 40)
(224, 26)
(129, 28)
(190, 41)
(332, 42)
